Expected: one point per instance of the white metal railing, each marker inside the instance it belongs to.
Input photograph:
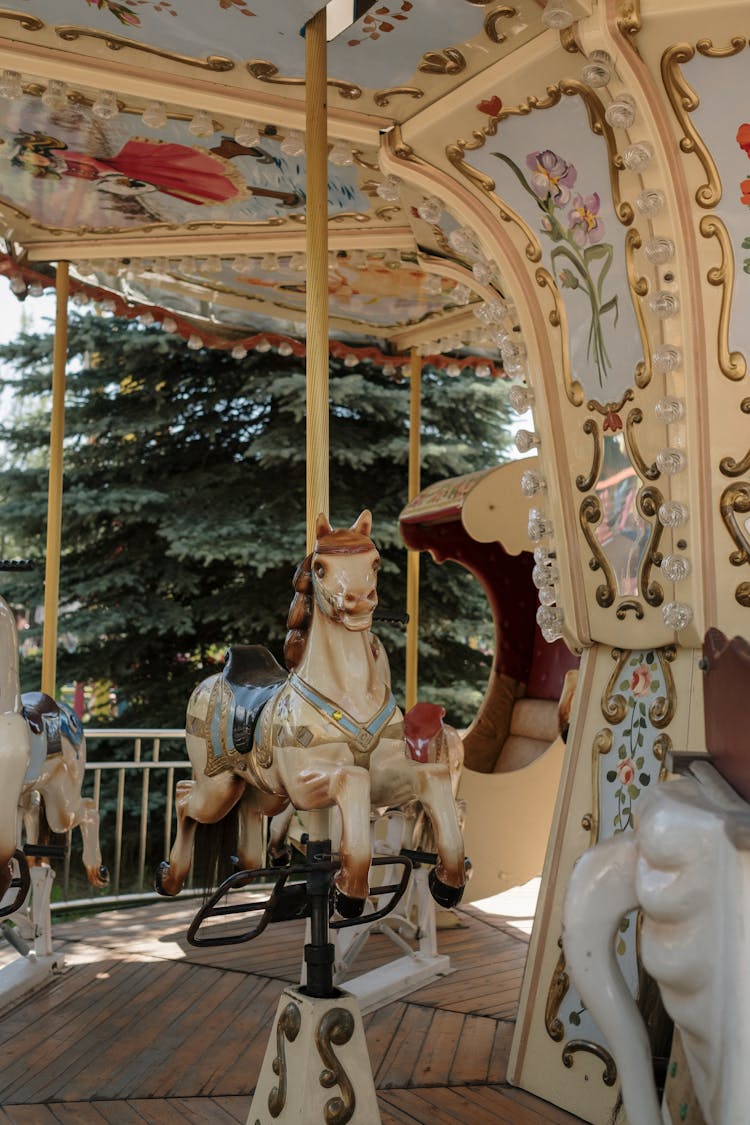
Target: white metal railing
(148, 780)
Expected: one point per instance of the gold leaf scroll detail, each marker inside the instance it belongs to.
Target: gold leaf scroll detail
(571, 87)
(736, 498)
(733, 364)
(602, 745)
(631, 606)
(609, 1077)
(742, 594)
(288, 1027)
(629, 20)
(614, 706)
(648, 501)
(492, 19)
(589, 514)
(661, 712)
(336, 1027)
(28, 23)
(383, 97)
(662, 747)
(685, 101)
(449, 61)
(586, 483)
(728, 465)
(217, 63)
(639, 288)
(557, 992)
(558, 318)
(648, 472)
(265, 71)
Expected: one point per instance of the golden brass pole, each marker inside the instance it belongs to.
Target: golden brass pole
(55, 488)
(316, 117)
(412, 558)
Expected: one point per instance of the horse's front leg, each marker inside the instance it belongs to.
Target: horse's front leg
(396, 780)
(201, 801)
(65, 809)
(333, 780)
(88, 821)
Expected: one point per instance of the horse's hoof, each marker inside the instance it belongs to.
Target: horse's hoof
(444, 895)
(159, 874)
(348, 907)
(104, 875)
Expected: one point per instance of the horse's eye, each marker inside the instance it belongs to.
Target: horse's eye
(376, 565)
(319, 569)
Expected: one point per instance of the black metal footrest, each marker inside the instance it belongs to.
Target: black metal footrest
(51, 851)
(22, 883)
(395, 890)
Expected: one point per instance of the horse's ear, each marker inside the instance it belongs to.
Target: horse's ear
(363, 523)
(322, 526)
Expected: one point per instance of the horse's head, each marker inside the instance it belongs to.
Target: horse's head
(344, 568)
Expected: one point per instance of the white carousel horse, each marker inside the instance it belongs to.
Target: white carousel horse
(42, 764)
(328, 734)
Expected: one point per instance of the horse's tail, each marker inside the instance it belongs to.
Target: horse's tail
(215, 851)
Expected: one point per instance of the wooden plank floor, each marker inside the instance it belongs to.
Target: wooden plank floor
(142, 1027)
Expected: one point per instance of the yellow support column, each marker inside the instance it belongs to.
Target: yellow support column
(55, 488)
(317, 271)
(412, 558)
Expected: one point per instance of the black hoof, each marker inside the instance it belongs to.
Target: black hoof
(444, 895)
(348, 907)
(104, 874)
(158, 877)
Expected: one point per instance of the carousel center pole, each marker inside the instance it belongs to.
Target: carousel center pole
(412, 558)
(55, 489)
(316, 1069)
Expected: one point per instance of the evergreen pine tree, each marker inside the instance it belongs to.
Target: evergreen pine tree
(184, 507)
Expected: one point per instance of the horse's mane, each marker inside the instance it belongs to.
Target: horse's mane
(342, 541)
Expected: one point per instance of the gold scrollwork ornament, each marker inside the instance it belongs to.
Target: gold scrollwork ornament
(589, 514)
(614, 705)
(287, 1028)
(557, 992)
(736, 499)
(573, 1046)
(336, 1027)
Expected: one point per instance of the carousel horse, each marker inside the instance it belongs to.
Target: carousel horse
(327, 734)
(42, 763)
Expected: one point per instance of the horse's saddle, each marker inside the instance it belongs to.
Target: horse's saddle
(48, 722)
(251, 675)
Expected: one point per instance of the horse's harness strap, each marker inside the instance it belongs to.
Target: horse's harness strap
(362, 737)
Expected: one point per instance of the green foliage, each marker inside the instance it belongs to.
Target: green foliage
(184, 507)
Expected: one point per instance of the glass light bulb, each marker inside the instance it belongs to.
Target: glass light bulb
(285, 348)
(247, 134)
(671, 461)
(547, 595)
(154, 115)
(670, 409)
(483, 370)
(620, 113)
(637, 157)
(659, 250)
(540, 526)
(545, 574)
(351, 360)
(188, 264)
(675, 567)
(105, 105)
(241, 264)
(666, 358)
(432, 285)
(549, 617)
(543, 556)
(552, 633)
(650, 202)
(11, 86)
(389, 370)
(340, 154)
(55, 97)
(673, 513)
(202, 124)
(389, 189)
(597, 70)
(520, 398)
(239, 352)
(453, 369)
(147, 318)
(526, 440)
(431, 210)
(461, 294)
(169, 325)
(558, 14)
(482, 272)
(36, 289)
(212, 264)
(293, 143)
(677, 615)
(17, 284)
(194, 342)
(263, 345)
(465, 242)
(532, 482)
(664, 304)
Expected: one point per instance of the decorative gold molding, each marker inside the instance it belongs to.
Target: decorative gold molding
(558, 318)
(706, 47)
(574, 1045)
(360, 160)
(568, 40)
(216, 63)
(639, 288)
(387, 212)
(605, 408)
(586, 483)
(736, 498)
(661, 712)
(630, 606)
(492, 19)
(589, 514)
(629, 20)
(614, 706)
(383, 97)
(731, 468)
(685, 101)
(448, 61)
(745, 406)
(648, 472)
(603, 740)
(28, 23)
(336, 1027)
(742, 594)
(288, 1027)
(265, 71)
(732, 364)
(572, 87)
(557, 992)
(662, 746)
(399, 147)
(648, 501)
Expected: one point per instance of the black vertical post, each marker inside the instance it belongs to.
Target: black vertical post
(319, 952)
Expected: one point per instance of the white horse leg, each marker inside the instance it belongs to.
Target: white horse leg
(202, 801)
(87, 819)
(395, 781)
(254, 808)
(15, 753)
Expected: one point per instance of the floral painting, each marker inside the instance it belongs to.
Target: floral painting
(581, 258)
